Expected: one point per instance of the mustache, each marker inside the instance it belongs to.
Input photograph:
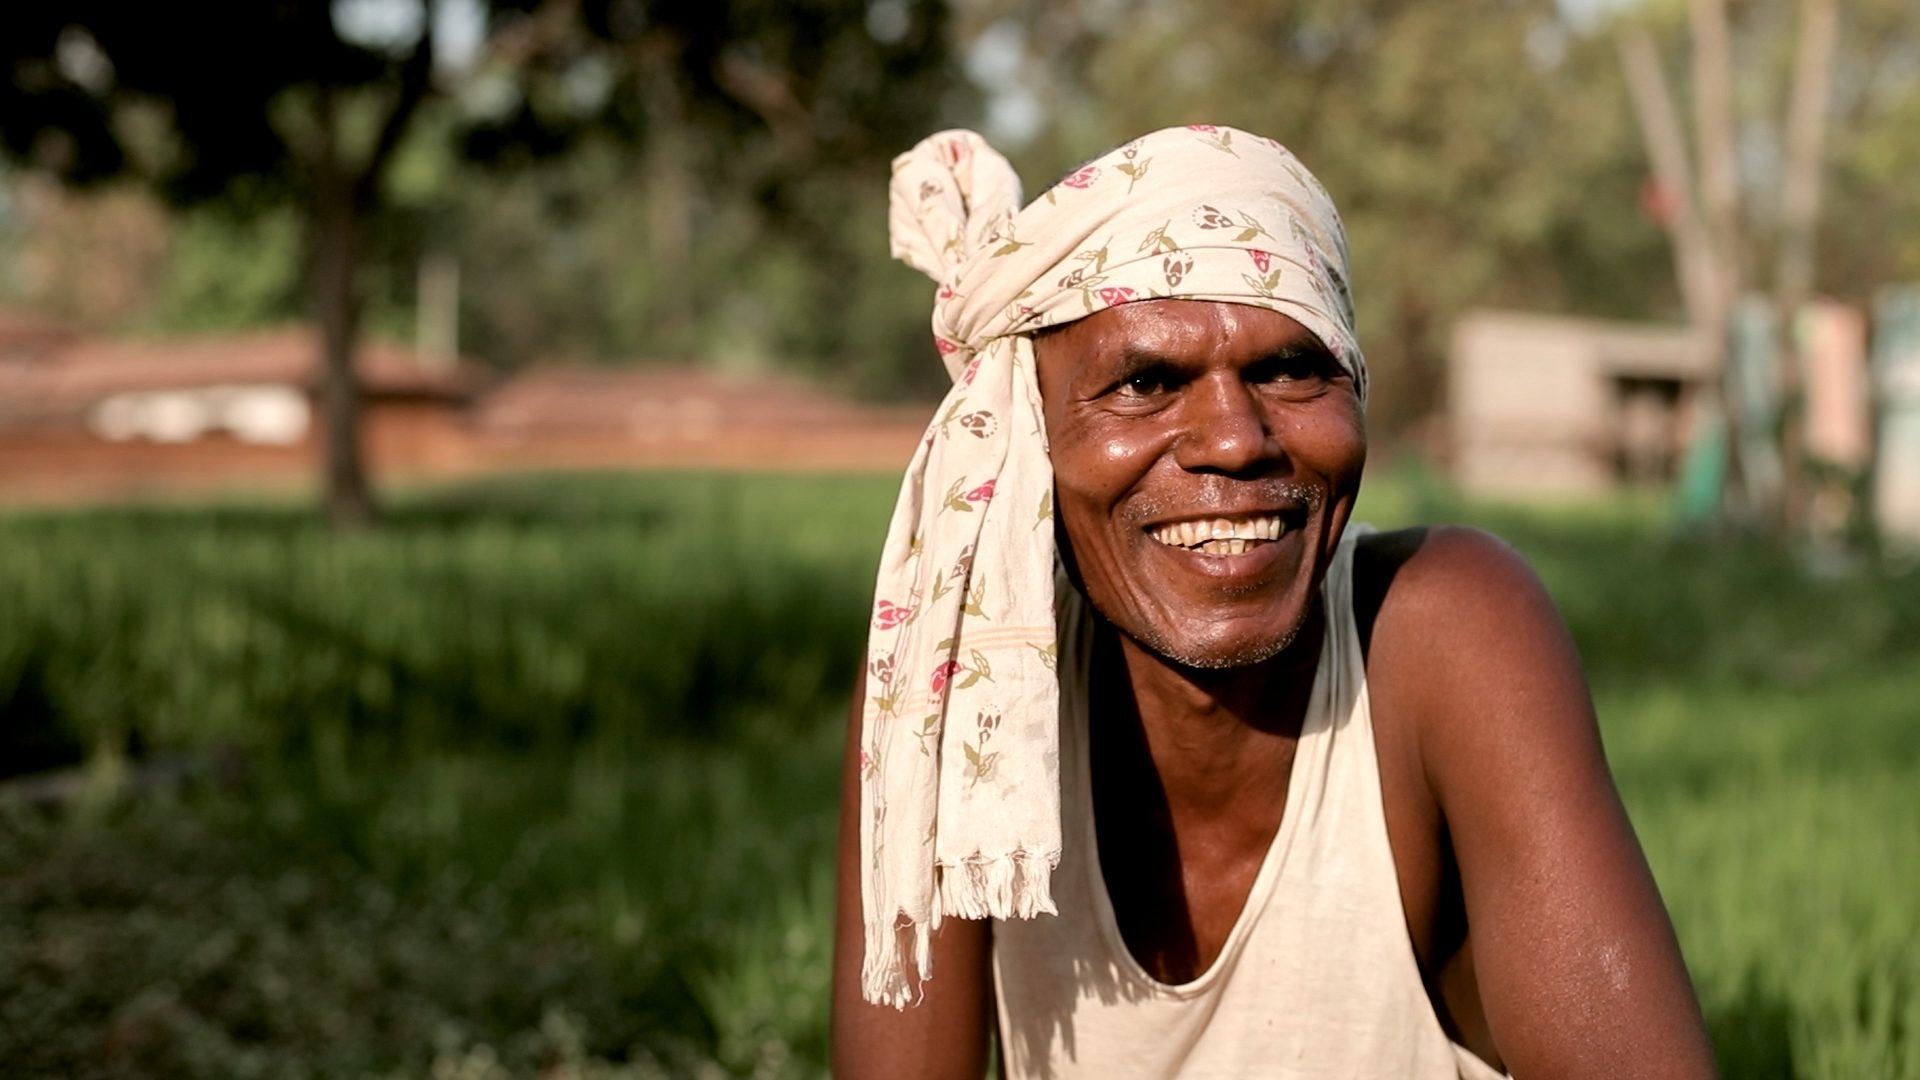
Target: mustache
(1222, 496)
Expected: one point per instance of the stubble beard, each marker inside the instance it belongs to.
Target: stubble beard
(1162, 644)
(1251, 655)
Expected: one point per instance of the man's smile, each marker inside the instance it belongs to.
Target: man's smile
(1240, 552)
(1235, 534)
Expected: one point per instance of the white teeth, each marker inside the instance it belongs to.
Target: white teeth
(1220, 536)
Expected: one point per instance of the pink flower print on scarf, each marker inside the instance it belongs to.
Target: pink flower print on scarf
(942, 672)
(1082, 178)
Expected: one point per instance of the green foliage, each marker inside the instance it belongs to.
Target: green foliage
(1871, 214)
(229, 267)
(1481, 151)
(542, 779)
(575, 262)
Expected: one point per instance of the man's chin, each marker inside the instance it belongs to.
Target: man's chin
(1203, 653)
(1251, 654)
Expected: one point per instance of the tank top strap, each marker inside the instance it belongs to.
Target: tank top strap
(1336, 783)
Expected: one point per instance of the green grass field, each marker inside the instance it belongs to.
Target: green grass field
(539, 778)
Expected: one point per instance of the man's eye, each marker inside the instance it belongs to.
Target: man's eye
(1305, 366)
(1150, 382)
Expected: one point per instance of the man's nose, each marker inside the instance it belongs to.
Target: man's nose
(1227, 428)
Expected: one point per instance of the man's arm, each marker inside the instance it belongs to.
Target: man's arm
(1577, 964)
(945, 1033)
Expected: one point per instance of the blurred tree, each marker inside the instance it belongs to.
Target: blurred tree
(269, 98)
(1764, 137)
(1486, 151)
(730, 201)
(772, 122)
(92, 260)
(1481, 151)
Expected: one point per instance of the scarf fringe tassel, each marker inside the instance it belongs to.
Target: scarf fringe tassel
(1015, 886)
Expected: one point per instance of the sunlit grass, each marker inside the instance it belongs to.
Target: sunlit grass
(541, 776)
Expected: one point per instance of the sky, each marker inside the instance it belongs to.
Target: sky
(459, 27)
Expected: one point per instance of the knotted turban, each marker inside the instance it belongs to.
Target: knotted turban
(975, 641)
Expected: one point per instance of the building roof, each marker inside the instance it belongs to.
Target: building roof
(1626, 349)
(26, 337)
(69, 378)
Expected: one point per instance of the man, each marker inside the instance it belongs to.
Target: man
(1291, 799)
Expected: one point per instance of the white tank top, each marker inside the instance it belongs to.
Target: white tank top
(1317, 978)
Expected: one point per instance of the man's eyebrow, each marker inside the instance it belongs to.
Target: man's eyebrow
(1305, 349)
(1304, 346)
(1133, 359)
(1136, 357)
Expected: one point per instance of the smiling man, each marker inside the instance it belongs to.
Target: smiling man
(1159, 763)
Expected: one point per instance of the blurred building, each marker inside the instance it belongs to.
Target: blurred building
(254, 388)
(107, 413)
(25, 338)
(1896, 365)
(1546, 405)
(85, 417)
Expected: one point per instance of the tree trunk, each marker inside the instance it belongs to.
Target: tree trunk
(1704, 274)
(343, 196)
(1799, 213)
(1666, 146)
(1714, 127)
(1720, 208)
(333, 243)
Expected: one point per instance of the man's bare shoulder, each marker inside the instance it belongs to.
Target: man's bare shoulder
(1463, 644)
(1447, 588)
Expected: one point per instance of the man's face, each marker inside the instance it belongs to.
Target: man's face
(1205, 457)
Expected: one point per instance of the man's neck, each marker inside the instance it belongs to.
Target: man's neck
(1211, 735)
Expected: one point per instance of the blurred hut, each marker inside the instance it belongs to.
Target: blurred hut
(26, 337)
(1549, 406)
(106, 414)
(1896, 366)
